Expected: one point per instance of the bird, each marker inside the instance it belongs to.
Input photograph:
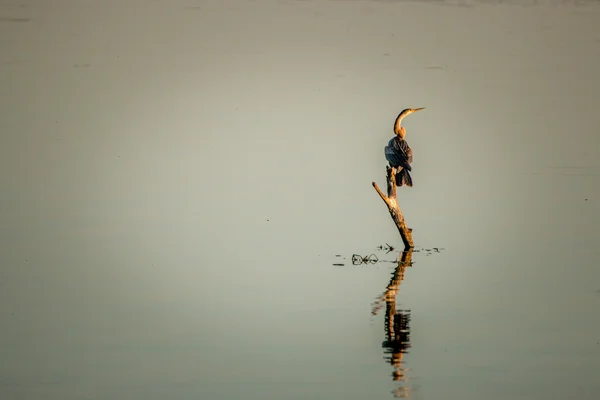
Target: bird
(398, 153)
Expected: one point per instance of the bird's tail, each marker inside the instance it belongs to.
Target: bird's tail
(403, 178)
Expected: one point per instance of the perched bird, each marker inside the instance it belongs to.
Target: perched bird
(398, 153)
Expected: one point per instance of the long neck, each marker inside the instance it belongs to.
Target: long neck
(397, 126)
(399, 118)
(400, 132)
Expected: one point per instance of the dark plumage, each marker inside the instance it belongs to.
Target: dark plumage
(399, 154)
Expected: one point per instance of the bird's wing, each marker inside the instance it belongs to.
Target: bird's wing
(398, 153)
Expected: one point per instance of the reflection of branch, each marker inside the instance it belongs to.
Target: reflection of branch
(392, 288)
(397, 328)
(394, 208)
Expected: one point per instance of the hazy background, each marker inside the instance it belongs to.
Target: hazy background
(176, 178)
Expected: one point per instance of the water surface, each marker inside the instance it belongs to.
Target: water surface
(177, 178)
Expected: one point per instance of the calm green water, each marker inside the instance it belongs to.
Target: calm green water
(177, 178)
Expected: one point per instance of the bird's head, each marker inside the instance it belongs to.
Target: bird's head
(398, 129)
(408, 111)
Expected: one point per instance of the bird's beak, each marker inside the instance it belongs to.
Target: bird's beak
(419, 109)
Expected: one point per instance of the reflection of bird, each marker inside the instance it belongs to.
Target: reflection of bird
(398, 153)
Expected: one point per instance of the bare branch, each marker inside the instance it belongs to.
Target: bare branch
(394, 208)
(383, 196)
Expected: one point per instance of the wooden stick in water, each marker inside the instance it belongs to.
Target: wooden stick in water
(394, 209)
